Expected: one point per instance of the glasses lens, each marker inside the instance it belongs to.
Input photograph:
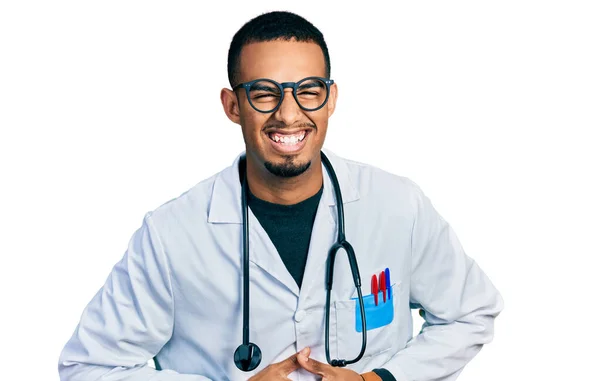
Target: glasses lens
(264, 95)
(311, 93)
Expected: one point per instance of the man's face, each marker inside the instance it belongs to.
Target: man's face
(270, 137)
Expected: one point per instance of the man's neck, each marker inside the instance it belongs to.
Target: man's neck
(285, 191)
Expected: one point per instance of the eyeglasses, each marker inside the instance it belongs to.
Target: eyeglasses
(266, 95)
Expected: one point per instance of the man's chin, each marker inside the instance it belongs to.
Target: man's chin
(287, 169)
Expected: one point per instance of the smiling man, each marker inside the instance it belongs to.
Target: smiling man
(283, 138)
(248, 256)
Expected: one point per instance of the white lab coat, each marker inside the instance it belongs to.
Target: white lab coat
(177, 292)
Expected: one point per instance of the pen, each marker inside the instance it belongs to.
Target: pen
(374, 288)
(382, 285)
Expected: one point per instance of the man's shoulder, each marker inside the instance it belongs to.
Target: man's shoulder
(369, 178)
(194, 200)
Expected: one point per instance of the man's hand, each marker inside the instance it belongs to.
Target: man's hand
(326, 371)
(281, 370)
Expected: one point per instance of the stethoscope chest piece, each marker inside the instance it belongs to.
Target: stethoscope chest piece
(247, 357)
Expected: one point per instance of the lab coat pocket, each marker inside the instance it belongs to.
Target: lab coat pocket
(380, 321)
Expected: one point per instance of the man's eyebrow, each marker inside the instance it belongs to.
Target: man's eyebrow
(271, 89)
(311, 84)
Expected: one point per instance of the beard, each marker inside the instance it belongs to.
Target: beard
(288, 168)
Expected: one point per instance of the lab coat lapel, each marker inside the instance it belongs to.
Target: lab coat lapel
(226, 208)
(264, 254)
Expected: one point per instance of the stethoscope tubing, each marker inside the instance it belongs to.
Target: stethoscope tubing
(248, 355)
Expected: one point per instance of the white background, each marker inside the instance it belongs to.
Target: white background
(109, 109)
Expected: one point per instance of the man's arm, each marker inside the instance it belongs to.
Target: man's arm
(128, 321)
(458, 300)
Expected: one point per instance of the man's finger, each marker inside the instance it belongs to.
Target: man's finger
(290, 364)
(314, 366)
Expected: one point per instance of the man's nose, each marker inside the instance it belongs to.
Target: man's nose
(289, 111)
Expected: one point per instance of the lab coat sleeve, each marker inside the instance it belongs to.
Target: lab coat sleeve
(128, 321)
(458, 301)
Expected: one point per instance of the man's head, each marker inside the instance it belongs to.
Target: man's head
(282, 47)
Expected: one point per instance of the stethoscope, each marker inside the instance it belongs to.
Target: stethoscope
(248, 355)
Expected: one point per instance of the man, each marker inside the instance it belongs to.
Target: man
(176, 296)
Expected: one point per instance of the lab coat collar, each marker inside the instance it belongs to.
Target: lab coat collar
(226, 203)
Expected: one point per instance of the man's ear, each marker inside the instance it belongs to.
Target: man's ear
(230, 105)
(332, 101)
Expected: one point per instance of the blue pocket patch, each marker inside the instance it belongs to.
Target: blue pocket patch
(377, 315)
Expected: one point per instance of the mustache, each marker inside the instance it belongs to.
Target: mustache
(282, 126)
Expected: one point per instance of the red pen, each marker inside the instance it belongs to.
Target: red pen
(374, 288)
(382, 285)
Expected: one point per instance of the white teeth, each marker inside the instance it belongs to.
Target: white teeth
(291, 140)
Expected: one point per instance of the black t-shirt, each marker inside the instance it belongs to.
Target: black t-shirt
(289, 227)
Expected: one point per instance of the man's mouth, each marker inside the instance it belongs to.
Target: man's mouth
(286, 142)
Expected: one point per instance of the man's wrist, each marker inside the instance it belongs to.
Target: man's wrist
(370, 376)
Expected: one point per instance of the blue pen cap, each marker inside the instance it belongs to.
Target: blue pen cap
(388, 283)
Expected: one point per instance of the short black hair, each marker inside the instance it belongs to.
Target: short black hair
(277, 25)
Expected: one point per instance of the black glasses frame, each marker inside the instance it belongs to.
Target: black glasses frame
(282, 86)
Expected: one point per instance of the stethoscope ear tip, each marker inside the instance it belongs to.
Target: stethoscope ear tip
(247, 357)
